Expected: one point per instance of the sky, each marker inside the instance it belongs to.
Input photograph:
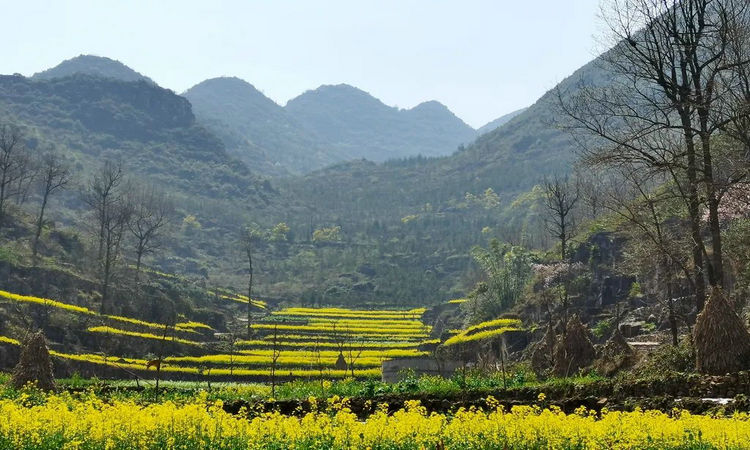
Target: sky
(480, 58)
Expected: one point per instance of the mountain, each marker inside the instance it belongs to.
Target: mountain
(154, 134)
(255, 129)
(357, 125)
(500, 121)
(510, 160)
(406, 224)
(329, 125)
(97, 66)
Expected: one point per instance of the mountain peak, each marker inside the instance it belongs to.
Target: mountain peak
(228, 87)
(341, 87)
(234, 82)
(335, 92)
(430, 105)
(98, 66)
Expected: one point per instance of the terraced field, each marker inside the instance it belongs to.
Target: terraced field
(289, 343)
(484, 330)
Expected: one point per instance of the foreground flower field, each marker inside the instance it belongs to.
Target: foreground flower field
(62, 421)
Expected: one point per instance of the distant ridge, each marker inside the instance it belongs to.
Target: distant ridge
(359, 125)
(321, 127)
(500, 121)
(255, 129)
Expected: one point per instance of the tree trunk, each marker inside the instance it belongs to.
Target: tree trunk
(39, 224)
(138, 257)
(716, 275)
(670, 306)
(249, 290)
(2, 200)
(694, 212)
(105, 278)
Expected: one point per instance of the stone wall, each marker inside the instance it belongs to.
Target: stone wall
(420, 366)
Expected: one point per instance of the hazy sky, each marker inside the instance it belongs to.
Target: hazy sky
(480, 58)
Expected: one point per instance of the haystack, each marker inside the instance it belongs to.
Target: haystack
(340, 362)
(575, 350)
(543, 354)
(722, 342)
(615, 355)
(616, 344)
(35, 365)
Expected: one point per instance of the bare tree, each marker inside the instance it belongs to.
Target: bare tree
(114, 231)
(656, 239)
(151, 215)
(561, 196)
(275, 355)
(673, 74)
(55, 175)
(590, 193)
(160, 356)
(354, 349)
(112, 212)
(250, 237)
(14, 163)
(319, 363)
(102, 192)
(28, 171)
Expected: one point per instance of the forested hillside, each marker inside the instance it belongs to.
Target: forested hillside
(150, 129)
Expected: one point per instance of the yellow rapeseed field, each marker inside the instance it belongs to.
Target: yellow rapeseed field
(116, 331)
(484, 330)
(341, 313)
(308, 342)
(66, 422)
(186, 326)
(329, 328)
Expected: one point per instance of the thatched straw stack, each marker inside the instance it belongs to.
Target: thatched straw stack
(543, 354)
(575, 350)
(615, 355)
(35, 365)
(722, 342)
(341, 362)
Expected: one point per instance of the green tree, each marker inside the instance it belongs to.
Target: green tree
(507, 270)
(330, 234)
(280, 232)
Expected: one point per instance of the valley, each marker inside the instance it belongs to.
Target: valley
(217, 268)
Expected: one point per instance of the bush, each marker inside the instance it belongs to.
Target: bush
(602, 328)
(668, 359)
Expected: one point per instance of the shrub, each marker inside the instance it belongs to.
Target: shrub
(668, 359)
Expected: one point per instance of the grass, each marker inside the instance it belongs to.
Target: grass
(409, 385)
